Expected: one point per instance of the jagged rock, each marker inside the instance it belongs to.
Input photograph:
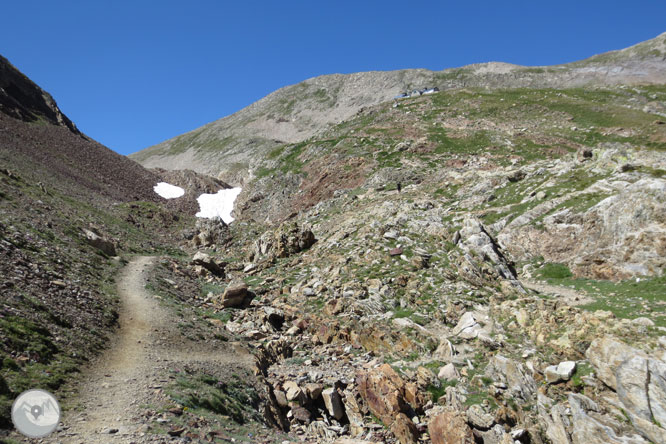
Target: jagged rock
(313, 390)
(293, 391)
(641, 386)
(478, 418)
(320, 429)
(445, 350)
(281, 398)
(206, 261)
(354, 410)
(270, 352)
(333, 403)
(556, 420)
(467, 327)
(287, 240)
(100, 242)
(209, 232)
(301, 414)
(404, 429)
(453, 398)
(606, 354)
(425, 377)
(560, 372)
(495, 435)
(383, 390)
(449, 427)
(480, 248)
(415, 397)
(520, 384)
(234, 295)
(591, 428)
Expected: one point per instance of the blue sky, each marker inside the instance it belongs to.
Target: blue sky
(133, 73)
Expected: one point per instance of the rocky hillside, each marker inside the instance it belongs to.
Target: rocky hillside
(484, 264)
(229, 147)
(476, 265)
(68, 208)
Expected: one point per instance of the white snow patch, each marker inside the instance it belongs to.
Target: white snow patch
(168, 191)
(219, 204)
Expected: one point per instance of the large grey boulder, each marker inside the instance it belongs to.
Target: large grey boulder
(520, 384)
(480, 248)
(591, 428)
(639, 380)
(606, 354)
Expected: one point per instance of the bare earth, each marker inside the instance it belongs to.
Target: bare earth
(567, 295)
(132, 372)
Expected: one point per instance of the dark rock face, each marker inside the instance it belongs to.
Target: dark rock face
(22, 99)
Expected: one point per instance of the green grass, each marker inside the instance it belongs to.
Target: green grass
(627, 299)
(437, 392)
(203, 392)
(554, 271)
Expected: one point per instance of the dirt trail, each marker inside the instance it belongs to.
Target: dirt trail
(130, 373)
(568, 295)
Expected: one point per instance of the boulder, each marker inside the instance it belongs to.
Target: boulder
(606, 354)
(100, 242)
(449, 427)
(467, 327)
(383, 390)
(641, 386)
(301, 414)
(404, 429)
(519, 384)
(206, 261)
(234, 295)
(592, 428)
(210, 232)
(288, 239)
(333, 403)
(561, 372)
(448, 372)
(478, 418)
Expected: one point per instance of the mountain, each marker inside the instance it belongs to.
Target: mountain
(485, 263)
(67, 206)
(230, 147)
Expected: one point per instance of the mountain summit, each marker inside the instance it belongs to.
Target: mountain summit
(231, 146)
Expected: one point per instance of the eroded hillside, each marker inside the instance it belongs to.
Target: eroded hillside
(229, 147)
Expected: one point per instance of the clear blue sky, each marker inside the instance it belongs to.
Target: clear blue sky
(133, 73)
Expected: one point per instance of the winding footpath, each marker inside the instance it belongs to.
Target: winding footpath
(124, 380)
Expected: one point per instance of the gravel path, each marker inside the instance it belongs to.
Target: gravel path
(568, 295)
(131, 374)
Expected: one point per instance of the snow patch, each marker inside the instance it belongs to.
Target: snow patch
(168, 191)
(218, 205)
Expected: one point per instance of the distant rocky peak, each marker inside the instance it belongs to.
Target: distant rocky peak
(22, 99)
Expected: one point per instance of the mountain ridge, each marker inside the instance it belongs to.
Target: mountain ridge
(226, 148)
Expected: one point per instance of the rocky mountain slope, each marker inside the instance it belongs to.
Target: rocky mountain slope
(481, 265)
(228, 148)
(68, 206)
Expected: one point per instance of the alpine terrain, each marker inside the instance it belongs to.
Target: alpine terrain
(475, 255)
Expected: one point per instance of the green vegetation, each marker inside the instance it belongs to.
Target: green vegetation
(554, 271)
(629, 299)
(205, 393)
